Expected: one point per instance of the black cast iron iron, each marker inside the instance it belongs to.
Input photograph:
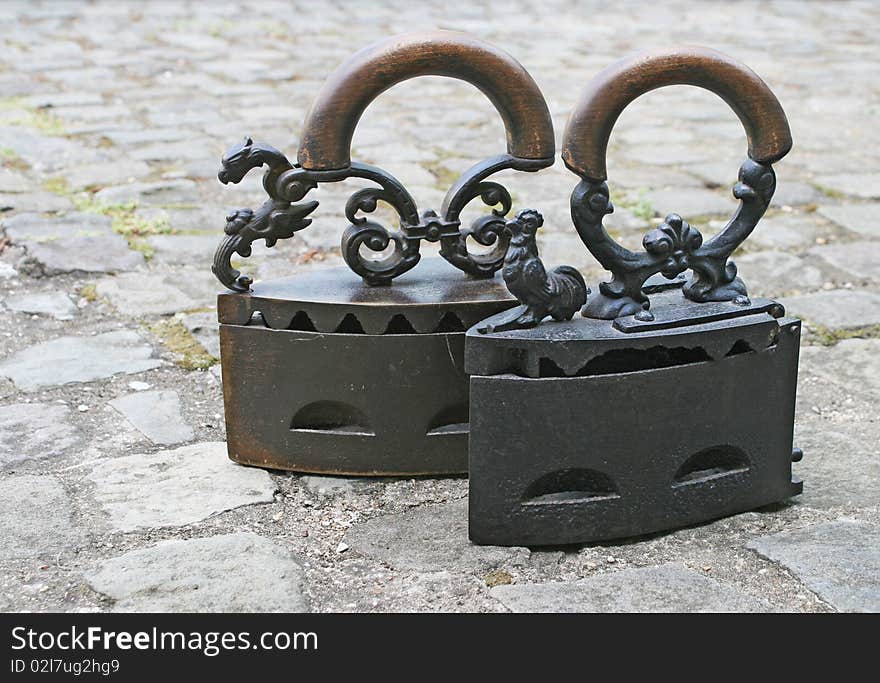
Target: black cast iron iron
(334, 372)
(669, 401)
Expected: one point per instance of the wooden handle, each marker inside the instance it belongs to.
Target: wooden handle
(330, 124)
(589, 126)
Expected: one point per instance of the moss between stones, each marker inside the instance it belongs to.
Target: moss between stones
(498, 578)
(9, 159)
(89, 292)
(640, 205)
(444, 175)
(140, 244)
(123, 216)
(828, 337)
(828, 191)
(16, 113)
(189, 354)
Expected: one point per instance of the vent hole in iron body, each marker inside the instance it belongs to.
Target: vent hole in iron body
(711, 464)
(301, 321)
(450, 323)
(739, 347)
(399, 325)
(331, 417)
(453, 419)
(349, 325)
(577, 485)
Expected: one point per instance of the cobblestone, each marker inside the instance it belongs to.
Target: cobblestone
(229, 573)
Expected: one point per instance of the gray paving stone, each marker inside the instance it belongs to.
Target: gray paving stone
(240, 572)
(840, 468)
(853, 363)
(666, 588)
(145, 135)
(104, 113)
(140, 294)
(35, 518)
(668, 155)
(837, 309)
(863, 185)
(327, 485)
(860, 218)
(176, 487)
(432, 538)
(690, 202)
(34, 431)
(769, 273)
(43, 202)
(103, 174)
(156, 414)
(45, 152)
(858, 259)
(785, 232)
(10, 181)
(160, 193)
(78, 359)
(840, 561)
(63, 99)
(205, 328)
(75, 242)
(184, 249)
(176, 152)
(54, 304)
(794, 193)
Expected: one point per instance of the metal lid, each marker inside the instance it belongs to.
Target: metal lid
(432, 298)
(682, 332)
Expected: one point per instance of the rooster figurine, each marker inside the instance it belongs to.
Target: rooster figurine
(559, 293)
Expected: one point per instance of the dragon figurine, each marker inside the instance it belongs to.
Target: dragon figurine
(277, 218)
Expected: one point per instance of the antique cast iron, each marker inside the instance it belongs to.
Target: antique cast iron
(669, 401)
(341, 371)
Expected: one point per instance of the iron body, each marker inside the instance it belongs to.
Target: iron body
(583, 431)
(323, 373)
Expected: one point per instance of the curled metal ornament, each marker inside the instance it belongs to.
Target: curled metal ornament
(670, 249)
(375, 237)
(379, 269)
(487, 230)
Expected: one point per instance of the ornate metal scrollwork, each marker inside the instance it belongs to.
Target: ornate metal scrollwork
(487, 230)
(670, 249)
(281, 216)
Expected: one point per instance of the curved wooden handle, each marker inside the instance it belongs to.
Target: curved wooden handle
(611, 90)
(330, 124)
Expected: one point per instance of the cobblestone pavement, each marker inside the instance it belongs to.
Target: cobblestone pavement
(115, 493)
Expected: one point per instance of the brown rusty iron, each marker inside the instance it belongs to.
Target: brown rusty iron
(331, 121)
(611, 90)
(340, 370)
(322, 373)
